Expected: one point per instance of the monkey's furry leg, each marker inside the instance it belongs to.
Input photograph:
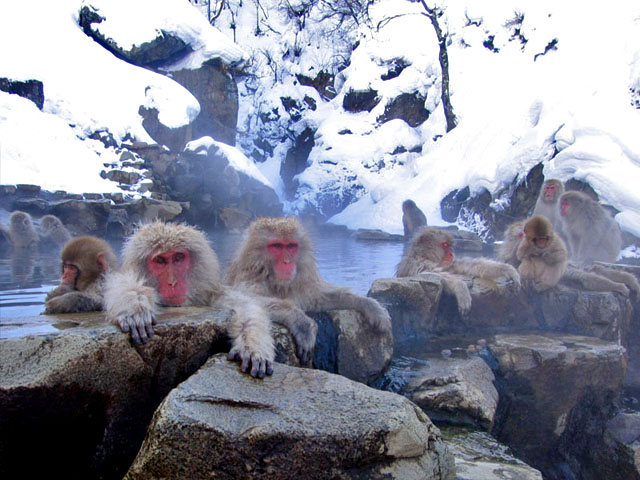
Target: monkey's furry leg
(337, 298)
(618, 276)
(303, 328)
(59, 290)
(485, 268)
(250, 331)
(593, 281)
(73, 302)
(130, 304)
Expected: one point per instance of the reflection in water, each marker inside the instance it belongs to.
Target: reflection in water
(25, 278)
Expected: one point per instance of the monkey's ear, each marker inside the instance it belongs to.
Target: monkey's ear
(521, 234)
(102, 263)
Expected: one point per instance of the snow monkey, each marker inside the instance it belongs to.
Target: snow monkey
(412, 218)
(431, 250)
(592, 233)
(85, 263)
(547, 204)
(52, 229)
(171, 265)
(21, 233)
(598, 278)
(276, 261)
(542, 254)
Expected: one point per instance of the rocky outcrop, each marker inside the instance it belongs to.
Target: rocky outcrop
(478, 456)
(30, 89)
(295, 424)
(557, 394)
(74, 382)
(456, 391)
(420, 310)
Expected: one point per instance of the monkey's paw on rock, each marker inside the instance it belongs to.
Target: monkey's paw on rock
(298, 423)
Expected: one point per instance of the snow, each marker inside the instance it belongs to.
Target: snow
(515, 107)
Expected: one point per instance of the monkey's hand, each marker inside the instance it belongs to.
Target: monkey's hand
(130, 304)
(376, 315)
(256, 365)
(250, 329)
(622, 289)
(58, 291)
(304, 331)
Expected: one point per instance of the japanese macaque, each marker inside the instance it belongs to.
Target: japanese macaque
(431, 250)
(592, 233)
(276, 261)
(412, 218)
(53, 230)
(542, 254)
(21, 233)
(598, 278)
(171, 265)
(507, 251)
(85, 263)
(547, 204)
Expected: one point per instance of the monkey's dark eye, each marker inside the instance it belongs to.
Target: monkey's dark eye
(292, 246)
(278, 246)
(178, 257)
(160, 260)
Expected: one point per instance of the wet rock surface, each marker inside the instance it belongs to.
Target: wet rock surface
(73, 382)
(557, 393)
(289, 426)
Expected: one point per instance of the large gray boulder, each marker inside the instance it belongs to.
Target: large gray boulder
(478, 456)
(75, 383)
(296, 424)
(557, 393)
(456, 390)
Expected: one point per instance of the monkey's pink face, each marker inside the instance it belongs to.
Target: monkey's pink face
(171, 270)
(541, 242)
(69, 274)
(447, 256)
(284, 254)
(564, 207)
(550, 192)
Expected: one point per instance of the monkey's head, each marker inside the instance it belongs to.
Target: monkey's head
(572, 201)
(409, 206)
(20, 221)
(277, 253)
(49, 223)
(434, 245)
(538, 231)
(177, 260)
(84, 259)
(551, 190)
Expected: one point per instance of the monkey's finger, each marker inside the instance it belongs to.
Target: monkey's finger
(153, 320)
(244, 366)
(124, 325)
(149, 328)
(257, 367)
(142, 333)
(135, 336)
(269, 368)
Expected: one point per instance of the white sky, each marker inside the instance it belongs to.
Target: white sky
(511, 110)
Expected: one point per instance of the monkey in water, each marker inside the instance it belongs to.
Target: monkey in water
(169, 265)
(276, 261)
(86, 261)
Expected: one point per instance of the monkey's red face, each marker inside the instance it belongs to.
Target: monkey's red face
(170, 270)
(564, 207)
(540, 242)
(447, 257)
(69, 274)
(550, 192)
(284, 254)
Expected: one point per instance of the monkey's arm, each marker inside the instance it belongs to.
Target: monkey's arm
(337, 298)
(303, 328)
(250, 332)
(59, 290)
(74, 302)
(485, 268)
(458, 288)
(130, 304)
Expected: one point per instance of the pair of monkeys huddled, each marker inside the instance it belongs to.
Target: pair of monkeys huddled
(273, 277)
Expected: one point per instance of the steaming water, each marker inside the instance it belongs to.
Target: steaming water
(342, 260)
